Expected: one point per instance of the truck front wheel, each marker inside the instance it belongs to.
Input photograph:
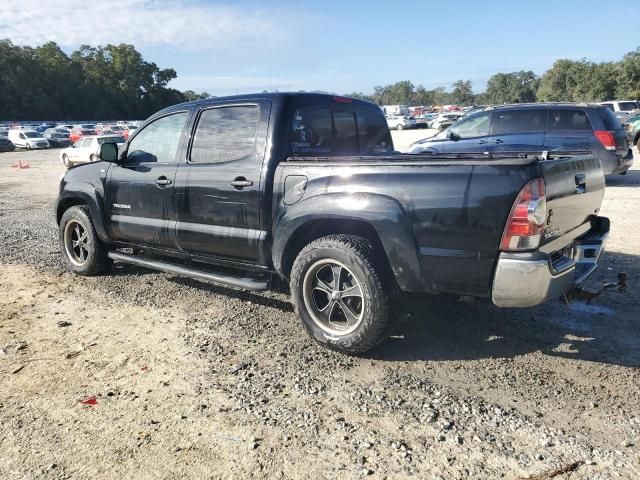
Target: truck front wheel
(339, 293)
(82, 250)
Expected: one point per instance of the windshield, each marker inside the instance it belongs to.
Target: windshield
(31, 134)
(57, 135)
(111, 140)
(88, 126)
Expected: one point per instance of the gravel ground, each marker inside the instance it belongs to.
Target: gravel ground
(191, 380)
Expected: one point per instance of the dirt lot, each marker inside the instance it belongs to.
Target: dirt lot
(191, 380)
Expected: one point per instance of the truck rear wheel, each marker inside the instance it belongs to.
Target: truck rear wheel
(82, 250)
(340, 295)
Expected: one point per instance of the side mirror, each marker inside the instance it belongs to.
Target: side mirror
(453, 136)
(109, 152)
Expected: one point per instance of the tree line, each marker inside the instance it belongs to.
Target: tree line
(566, 81)
(110, 82)
(114, 81)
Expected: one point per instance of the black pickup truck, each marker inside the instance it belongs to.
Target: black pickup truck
(308, 187)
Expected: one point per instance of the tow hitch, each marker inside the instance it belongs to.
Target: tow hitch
(587, 295)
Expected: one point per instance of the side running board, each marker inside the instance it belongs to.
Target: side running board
(226, 280)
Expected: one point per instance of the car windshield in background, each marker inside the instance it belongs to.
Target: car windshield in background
(111, 140)
(628, 106)
(89, 126)
(609, 119)
(58, 135)
(31, 134)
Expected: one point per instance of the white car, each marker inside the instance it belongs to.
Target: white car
(87, 149)
(444, 119)
(27, 139)
(623, 109)
(400, 122)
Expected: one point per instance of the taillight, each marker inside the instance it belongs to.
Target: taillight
(606, 138)
(526, 219)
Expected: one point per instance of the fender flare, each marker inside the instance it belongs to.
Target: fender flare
(86, 194)
(384, 214)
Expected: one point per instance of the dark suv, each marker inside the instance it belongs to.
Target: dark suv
(556, 127)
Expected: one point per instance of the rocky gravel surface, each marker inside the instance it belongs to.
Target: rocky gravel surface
(184, 379)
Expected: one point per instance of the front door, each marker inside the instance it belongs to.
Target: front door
(140, 187)
(218, 189)
(470, 135)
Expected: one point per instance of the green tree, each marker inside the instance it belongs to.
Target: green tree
(462, 93)
(514, 87)
(629, 76)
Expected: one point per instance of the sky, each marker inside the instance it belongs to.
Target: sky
(338, 46)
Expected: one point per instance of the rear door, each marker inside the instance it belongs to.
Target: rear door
(568, 130)
(518, 130)
(140, 187)
(219, 188)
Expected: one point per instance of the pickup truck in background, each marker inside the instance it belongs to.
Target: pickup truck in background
(308, 187)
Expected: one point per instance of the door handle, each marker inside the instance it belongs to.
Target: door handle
(240, 182)
(163, 181)
(498, 141)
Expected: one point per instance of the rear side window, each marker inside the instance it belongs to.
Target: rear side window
(568, 120)
(609, 119)
(225, 134)
(515, 121)
(627, 106)
(375, 137)
(319, 131)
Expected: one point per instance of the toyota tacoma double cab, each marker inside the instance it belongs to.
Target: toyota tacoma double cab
(308, 188)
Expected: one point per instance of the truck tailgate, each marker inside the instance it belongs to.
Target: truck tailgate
(574, 190)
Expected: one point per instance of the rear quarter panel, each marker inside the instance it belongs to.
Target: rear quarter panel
(444, 220)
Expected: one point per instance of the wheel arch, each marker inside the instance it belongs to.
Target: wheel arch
(383, 222)
(71, 198)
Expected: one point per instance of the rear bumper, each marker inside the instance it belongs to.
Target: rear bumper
(528, 279)
(625, 162)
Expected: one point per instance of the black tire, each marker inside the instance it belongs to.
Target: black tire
(66, 162)
(399, 127)
(93, 158)
(88, 261)
(27, 146)
(373, 310)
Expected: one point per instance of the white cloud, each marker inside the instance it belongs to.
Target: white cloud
(143, 23)
(228, 84)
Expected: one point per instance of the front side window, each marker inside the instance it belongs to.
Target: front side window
(158, 141)
(225, 134)
(516, 121)
(477, 126)
(568, 120)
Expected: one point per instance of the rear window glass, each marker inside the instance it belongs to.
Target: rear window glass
(375, 137)
(568, 120)
(513, 121)
(627, 106)
(609, 119)
(319, 131)
(225, 134)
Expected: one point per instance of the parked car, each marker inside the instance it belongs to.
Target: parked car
(306, 187)
(6, 145)
(444, 120)
(56, 138)
(535, 127)
(400, 122)
(87, 149)
(29, 139)
(623, 109)
(78, 132)
(424, 119)
(633, 130)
